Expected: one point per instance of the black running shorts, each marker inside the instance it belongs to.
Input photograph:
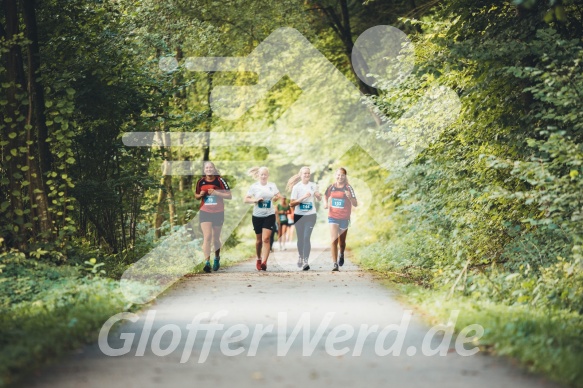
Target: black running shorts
(260, 223)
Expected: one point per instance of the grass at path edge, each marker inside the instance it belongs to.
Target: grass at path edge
(67, 314)
(546, 342)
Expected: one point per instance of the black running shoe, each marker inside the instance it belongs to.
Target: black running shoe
(335, 268)
(207, 267)
(306, 266)
(341, 260)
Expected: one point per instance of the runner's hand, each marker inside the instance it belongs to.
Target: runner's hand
(211, 191)
(203, 193)
(348, 193)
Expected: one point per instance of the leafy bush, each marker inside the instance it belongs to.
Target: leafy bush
(492, 211)
(47, 310)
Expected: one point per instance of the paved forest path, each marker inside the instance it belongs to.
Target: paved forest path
(281, 295)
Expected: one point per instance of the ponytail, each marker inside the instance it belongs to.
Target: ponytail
(295, 179)
(255, 171)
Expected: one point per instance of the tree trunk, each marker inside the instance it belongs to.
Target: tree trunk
(38, 96)
(171, 203)
(206, 148)
(182, 182)
(160, 210)
(14, 112)
(341, 25)
(166, 193)
(38, 145)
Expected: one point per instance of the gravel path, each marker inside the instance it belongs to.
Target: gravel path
(285, 297)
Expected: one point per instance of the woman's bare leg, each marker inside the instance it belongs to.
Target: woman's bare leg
(266, 239)
(334, 228)
(258, 246)
(207, 232)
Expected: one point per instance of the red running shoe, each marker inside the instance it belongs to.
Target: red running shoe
(264, 267)
(258, 265)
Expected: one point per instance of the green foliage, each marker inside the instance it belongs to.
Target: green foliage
(545, 342)
(492, 210)
(22, 278)
(47, 310)
(92, 266)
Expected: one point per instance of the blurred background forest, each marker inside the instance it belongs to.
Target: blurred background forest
(489, 217)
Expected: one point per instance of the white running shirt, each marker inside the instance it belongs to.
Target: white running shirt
(266, 192)
(308, 205)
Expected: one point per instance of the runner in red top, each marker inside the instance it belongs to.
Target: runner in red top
(212, 190)
(339, 199)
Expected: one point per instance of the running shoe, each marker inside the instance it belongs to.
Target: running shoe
(216, 264)
(207, 267)
(335, 268)
(341, 260)
(300, 262)
(258, 265)
(264, 266)
(306, 266)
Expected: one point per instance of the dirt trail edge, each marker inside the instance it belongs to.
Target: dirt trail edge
(284, 327)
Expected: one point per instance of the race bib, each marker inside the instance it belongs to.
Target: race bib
(338, 203)
(306, 206)
(265, 204)
(282, 217)
(210, 200)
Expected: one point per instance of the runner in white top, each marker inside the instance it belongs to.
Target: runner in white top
(306, 191)
(303, 197)
(263, 195)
